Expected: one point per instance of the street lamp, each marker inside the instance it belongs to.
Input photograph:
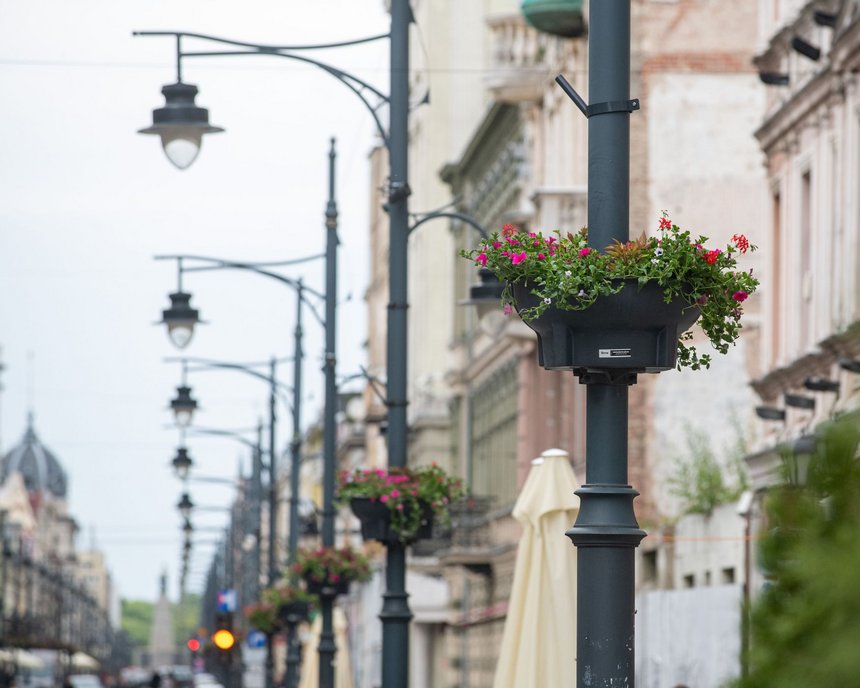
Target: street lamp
(395, 614)
(180, 123)
(185, 506)
(182, 463)
(183, 406)
(180, 318)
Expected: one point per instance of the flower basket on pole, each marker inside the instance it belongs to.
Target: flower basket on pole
(399, 505)
(627, 308)
(328, 571)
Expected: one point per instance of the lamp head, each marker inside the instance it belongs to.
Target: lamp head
(180, 124)
(182, 464)
(180, 319)
(820, 384)
(486, 295)
(185, 506)
(183, 406)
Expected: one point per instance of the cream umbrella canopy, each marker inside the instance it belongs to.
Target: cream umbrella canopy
(539, 640)
(310, 670)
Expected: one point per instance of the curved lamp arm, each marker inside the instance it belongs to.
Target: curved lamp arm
(221, 264)
(354, 83)
(462, 217)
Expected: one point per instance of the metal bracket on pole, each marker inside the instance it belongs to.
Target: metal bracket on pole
(596, 108)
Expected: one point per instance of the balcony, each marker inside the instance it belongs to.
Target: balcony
(522, 59)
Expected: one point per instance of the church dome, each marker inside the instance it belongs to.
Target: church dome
(40, 469)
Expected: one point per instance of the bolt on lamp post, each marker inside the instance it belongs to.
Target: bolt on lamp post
(395, 613)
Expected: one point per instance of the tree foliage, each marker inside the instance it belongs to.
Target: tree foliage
(136, 620)
(805, 629)
(701, 480)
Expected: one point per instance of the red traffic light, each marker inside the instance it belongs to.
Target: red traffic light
(193, 644)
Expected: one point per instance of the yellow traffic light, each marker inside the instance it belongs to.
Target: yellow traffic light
(223, 639)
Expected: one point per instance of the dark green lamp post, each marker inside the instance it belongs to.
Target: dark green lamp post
(180, 124)
(557, 17)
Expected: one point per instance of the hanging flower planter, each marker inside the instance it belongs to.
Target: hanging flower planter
(280, 605)
(328, 571)
(634, 329)
(401, 504)
(376, 524)
(628, 307)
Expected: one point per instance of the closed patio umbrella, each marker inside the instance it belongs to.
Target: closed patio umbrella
(539, 642)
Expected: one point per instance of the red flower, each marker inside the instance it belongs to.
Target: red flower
(508, 230)
(711, 257)
(740, 296)
(741, 242)
(665, 223)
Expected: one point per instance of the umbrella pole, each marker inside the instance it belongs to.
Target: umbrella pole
(606, 532)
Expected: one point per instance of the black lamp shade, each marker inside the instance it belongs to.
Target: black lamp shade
(182, 464)
(770, 413)
(187, 528)
(183, 406)
(486, 295)
(820, 384)
(185, 506)
(180, 319)
(180, 124)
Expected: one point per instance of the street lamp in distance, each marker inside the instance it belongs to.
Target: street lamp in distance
(185, 506)
(183, 406)
(182, 463)
(180, 319)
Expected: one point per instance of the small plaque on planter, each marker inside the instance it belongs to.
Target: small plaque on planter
(634, 330)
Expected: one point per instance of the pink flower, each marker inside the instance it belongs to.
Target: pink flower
(482, 259)
(508, 309)
(334, 577)
(665, 223)
(518, 258)
(541, 256)
(395, 494)
(497, 244)
(532, 235)
(513, 242)
(740, 296)
(400, 507)
(584, 252)
(383, 498)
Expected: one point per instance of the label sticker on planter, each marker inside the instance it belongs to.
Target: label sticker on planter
(613, 353)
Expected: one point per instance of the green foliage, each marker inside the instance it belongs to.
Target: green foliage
(700, 479)
(805, 629)
(136, 620)
(565, 272)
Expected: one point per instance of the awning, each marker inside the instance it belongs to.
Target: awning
(20, 658)
(80, 660)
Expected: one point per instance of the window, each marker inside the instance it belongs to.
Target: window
(494, 435)
(728, 575)
(689, 581)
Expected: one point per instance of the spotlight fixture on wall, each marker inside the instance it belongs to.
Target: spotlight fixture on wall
(770, 413)
(799, 401)
(806, 49)
(852, 365)
(822, 18)
(821, 384)
(773, 78)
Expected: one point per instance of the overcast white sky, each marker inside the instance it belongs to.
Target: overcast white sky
(85, 203)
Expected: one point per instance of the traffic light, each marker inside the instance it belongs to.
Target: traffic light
(223, 638)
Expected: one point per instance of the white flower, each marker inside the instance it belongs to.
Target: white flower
(581, 293)
(567, 273)
(658, 251)
(547, 300)
(655, 261)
